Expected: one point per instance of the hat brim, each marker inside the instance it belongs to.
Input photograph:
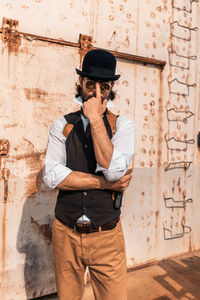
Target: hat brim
(91, 76)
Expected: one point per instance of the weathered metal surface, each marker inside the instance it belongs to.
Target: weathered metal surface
(65, 21)
(85, 44)
(37, 84)
(29, 101)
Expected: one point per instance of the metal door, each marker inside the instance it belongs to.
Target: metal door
(40, 48)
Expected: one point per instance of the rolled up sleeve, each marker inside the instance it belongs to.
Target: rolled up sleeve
(123, 142)
(55, 170)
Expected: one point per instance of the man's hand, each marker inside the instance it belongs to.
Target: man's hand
(93, 108)
(121, 184)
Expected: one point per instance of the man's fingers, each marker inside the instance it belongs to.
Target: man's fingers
(127, 177)
(104, 105)
(129, 171)
(98, 91)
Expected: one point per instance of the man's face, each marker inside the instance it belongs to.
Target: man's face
(88, 88)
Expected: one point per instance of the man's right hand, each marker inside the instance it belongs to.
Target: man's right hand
(121, 184)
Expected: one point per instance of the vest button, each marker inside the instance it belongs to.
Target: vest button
(86, 146)
(85, 193)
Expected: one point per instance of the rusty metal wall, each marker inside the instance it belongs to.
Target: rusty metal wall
(38, 54)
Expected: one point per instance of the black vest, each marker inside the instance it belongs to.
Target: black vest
(98, 205)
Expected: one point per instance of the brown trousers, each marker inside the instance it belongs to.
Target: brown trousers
(104, 254)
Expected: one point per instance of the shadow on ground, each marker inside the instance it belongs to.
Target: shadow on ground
(182, 278)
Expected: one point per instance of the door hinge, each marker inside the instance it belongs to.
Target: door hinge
(5, 176)
(4, 149)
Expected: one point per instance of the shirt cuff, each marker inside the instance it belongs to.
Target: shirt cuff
(56, 176)
(117, 168)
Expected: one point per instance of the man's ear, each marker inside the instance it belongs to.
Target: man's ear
(80, 81)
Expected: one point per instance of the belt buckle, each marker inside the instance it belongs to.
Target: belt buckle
(83, 224)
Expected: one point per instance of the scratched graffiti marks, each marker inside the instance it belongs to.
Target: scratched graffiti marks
(182, 88)
(184, 5)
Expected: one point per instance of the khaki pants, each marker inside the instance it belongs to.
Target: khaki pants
(104, 254)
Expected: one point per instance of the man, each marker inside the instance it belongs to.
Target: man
(87, 159)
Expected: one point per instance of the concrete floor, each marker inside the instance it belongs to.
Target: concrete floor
(171, 279)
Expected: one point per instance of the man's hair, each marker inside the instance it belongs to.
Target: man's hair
(78, 92)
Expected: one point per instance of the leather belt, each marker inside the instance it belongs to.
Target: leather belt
(89, 227)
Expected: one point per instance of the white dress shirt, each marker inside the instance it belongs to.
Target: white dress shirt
(55, 169)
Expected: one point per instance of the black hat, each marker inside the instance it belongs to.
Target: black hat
(99, 64)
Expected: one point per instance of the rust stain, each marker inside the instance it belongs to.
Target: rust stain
(85, 42)
(3, 252)
(144, 150)
(34, 164)
(154, 45)
(44, 230)
(10, 125)
(35, 94)
(157, 213)
(150, 164)
(111, 18)
(4, 148)
(121, 8)
(24, 7)
(32, 155)
(125, 82)
(127, 42)
(190, 244)
(10, 35)
(31, 185)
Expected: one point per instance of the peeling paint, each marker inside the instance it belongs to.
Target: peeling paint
(44, 230)
(3, 252)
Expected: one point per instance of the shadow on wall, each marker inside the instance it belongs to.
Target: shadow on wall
(181, 279)
(34, 240)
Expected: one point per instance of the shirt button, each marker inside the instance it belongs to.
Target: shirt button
(85, 193)
(86, 146)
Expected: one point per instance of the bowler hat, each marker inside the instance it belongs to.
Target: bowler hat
(99, 64)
